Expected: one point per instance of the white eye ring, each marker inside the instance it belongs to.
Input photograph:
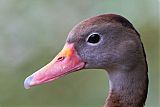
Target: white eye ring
(93, 39)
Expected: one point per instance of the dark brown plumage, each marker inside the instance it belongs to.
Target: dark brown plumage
(108, 42)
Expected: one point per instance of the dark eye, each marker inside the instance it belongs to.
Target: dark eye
(93, 38)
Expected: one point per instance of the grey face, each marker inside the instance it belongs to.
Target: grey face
(103, 44)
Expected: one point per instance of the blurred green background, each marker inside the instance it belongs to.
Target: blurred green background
(32, 32)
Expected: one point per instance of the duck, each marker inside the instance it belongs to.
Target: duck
(109, 42)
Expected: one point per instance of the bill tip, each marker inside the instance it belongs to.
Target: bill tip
(27, 82)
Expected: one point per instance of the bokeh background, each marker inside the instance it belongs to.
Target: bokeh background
(32, 32)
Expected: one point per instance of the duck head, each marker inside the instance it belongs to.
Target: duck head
(102, 42)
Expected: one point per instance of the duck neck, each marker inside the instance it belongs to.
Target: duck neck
(128, 87)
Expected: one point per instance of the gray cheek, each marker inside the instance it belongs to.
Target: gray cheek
(94, 57)
(97, 57)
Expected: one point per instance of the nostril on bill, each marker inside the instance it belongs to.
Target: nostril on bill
(61, 58)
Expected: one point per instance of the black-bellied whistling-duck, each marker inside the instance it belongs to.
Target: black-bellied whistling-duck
(108, 42)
